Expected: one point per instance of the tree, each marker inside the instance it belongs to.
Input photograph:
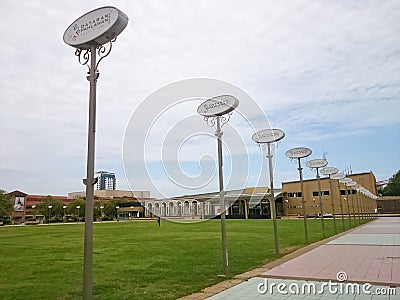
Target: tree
(393, 187)
(109, 209)
(73, 210)
(56, 209)
(6, 205)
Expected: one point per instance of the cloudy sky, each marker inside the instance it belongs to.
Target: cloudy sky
(325, 72)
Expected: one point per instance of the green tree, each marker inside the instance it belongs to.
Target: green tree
(73, 209)
(51, 207)
(393, 187)
(6, 205)
(110, 211)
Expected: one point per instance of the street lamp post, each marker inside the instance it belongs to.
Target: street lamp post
(299, 153)
(331, 171)
(101, 214)
(78, 209)
(351, 184)
(116, 208)
(337, 177)
(346, 180)
(366, 208)
(359, 203)
(287, 208)
(50, 207)
(217, 112)
(269, 136)
(64, 207)
(315, 208)
(131, 212)
(317, 164)
(106, 24)
(34, 212)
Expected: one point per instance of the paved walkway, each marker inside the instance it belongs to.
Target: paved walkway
(362, 264)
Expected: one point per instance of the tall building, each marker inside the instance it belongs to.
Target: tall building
(106, 181)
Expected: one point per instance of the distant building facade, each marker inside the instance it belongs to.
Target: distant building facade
(25, 206)
(111, 194)
(388, 204)
(106, 180)
(248, 203)
(344, 200)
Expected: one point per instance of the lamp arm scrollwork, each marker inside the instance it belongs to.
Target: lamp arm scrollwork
(102, 51)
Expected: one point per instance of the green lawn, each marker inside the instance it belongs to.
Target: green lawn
(138, 260)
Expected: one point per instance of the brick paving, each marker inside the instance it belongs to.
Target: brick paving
(369, 254)
(364, 257)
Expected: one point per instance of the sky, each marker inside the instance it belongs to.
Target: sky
(327, 73)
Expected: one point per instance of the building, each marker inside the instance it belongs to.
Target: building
(335, 198)
(388, 204)
(248, 203)
(25, 210)
(128, 203)
(106, 180)
(25, 206)
(111, 194)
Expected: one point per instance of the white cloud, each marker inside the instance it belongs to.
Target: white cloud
(323, 68)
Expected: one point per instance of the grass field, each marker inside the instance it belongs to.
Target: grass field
(138, 260)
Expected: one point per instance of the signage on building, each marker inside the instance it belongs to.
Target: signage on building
(218, 106)
(19, 204)
(299, 152)
(316, 163)
(268, 136)
(96, 28)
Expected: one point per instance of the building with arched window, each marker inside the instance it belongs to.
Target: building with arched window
(249, 203)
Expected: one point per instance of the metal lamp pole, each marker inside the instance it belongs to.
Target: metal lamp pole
(87, 40)
(317, 164)
(350, 185)
(299, 153)
(287, 208)
(272, 197)
(359, 204)
(34, 212)
(315, 208)
(101, 214)
(341, 204)
(337, 177)
(331, 171)
(320, 203)
(357, 200)
(347, 198)
(217, 112)
(64, 207)
(269, 136)
(78, 209)
(303, 202)
(116, 208)
(218, 134)
(50, 207)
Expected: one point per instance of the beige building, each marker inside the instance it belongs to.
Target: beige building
(388, 204)
(344, 200)
(111, 194)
